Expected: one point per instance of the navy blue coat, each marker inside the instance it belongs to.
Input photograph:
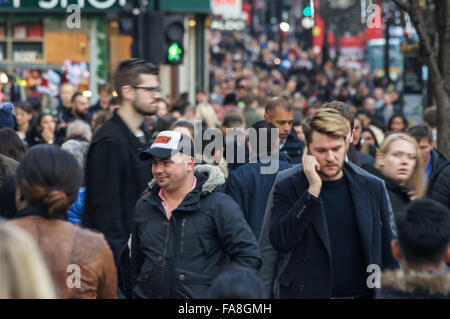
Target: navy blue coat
(250, 189)
(299, 226)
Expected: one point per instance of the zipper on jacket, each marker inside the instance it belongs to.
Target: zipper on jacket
(167, 223)
(183, 222)
(301, 211)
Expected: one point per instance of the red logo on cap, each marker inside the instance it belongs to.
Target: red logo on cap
(162, 139)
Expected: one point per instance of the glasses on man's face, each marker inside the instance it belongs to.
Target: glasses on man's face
(154, 90)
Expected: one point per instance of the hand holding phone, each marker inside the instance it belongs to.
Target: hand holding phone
(310, 168)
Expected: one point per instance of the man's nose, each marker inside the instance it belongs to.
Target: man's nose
(330, 156)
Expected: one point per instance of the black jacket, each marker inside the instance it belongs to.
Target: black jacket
(398, 194)
(293, 148)
(178, 258)
(115, 178)
(439, 181)
(299, 226)
(414, 285)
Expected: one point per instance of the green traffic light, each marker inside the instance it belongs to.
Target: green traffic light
(307, 11)
(174, 52)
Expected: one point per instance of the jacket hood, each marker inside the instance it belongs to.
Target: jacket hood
(412, 281)
(214, 177)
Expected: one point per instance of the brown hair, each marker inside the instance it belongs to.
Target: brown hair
(128, 73)
(51, 177)
(326, 121)
(416, 182)
(11, 145)
(420, 131)
(344, 109)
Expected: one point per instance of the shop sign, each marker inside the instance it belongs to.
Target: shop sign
(95, 5)
(228, 25)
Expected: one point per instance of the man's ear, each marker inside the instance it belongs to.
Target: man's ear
(127, 92)
(396, 251)
(267, 117)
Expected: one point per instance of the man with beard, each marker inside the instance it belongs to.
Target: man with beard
(80, 108)
(115, 175)
(333, 220)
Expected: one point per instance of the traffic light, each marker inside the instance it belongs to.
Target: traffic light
(307, 11)
(174, 34)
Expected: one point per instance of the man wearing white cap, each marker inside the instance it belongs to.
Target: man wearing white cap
(184, 230)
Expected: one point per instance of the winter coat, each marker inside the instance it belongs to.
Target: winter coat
(75, 211)
(273, 260)
(299, 226)
(249, 187)
(293, 148)
(439, 180)
(63, 244)
(414, 285)
(115, 179)
(398, 194)
(178, 258)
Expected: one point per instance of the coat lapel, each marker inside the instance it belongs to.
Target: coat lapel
(363, 210)
(319, 222)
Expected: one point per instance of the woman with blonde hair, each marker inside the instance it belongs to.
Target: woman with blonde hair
(205, 113)
(399, 164)
(23, 272)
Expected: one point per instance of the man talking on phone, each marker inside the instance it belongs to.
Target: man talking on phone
(333, 220)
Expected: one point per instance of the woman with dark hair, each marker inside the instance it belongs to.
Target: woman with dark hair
(11, 145)
(48, 180)
(24, 116)
(397, 123)
(44, 132)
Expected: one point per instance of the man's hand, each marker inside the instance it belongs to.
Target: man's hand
(310, 168)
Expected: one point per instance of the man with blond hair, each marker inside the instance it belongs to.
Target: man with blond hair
(333, 220)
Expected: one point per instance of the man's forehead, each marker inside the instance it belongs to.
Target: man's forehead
(424, 142)
(150, 78)
(319, 140)
(280, 113)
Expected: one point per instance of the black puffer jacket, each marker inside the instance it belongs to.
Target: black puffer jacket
(439, 182)
(178, 258)
(397, 194)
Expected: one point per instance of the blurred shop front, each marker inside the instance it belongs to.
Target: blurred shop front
(46, 43)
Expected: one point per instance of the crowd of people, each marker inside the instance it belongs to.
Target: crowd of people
(121, 192)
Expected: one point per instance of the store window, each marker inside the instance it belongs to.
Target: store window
(21, 40)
